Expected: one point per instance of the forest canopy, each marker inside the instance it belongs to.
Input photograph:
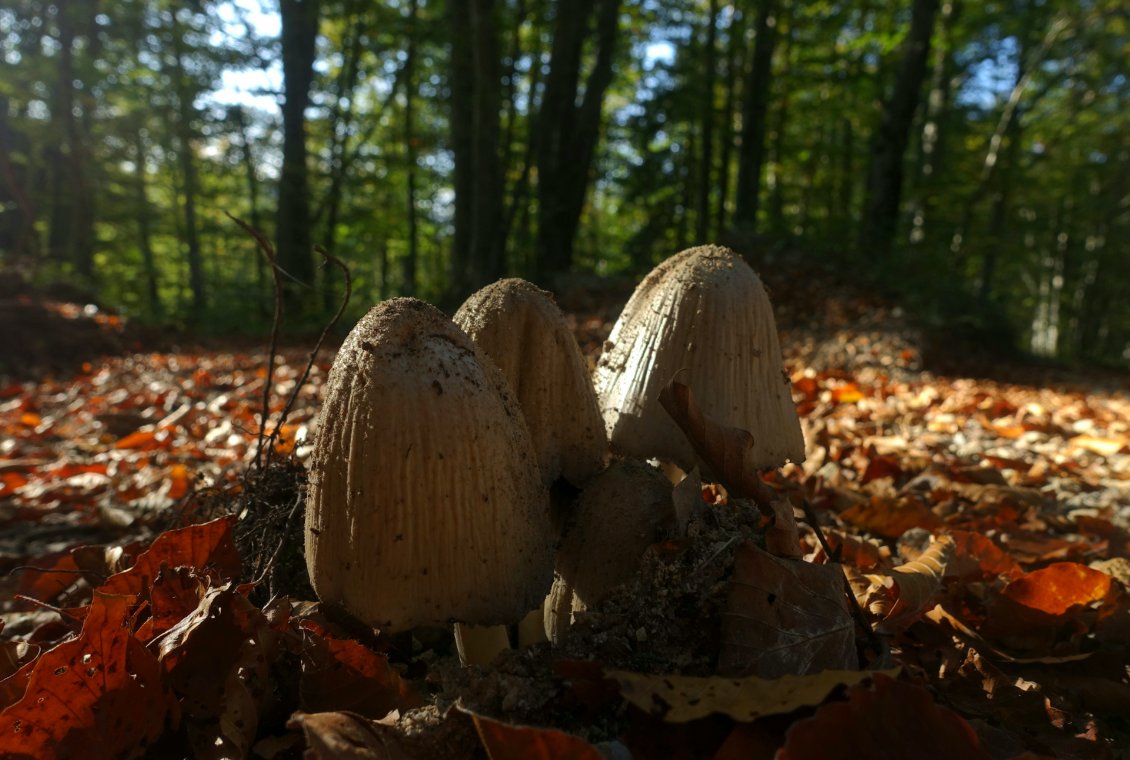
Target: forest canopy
(969, 157)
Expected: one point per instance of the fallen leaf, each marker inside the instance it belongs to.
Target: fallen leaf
(343, 675)
(724, 449)
(903, 594)
(208, 548)
(890, 518)
(1057, 588)
(784, 617)
(506, 741)
(347, 736)
(97, 696)
(886, 718)
(679, 699)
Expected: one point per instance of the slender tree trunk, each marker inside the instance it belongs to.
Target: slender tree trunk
(706, 165)
(476, 98)
(292, 223)
(247, 157)
(930, 143)
(568, 132)
(71, 236)
(754, 111)
(185, 154)
(144, 233)
(410, 260)
(888, 145)
(735, 50)
(777, 144)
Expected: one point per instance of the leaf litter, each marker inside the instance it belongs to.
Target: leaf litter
(984, 525)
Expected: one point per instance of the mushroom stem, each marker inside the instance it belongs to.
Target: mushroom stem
(480, 644)
(531, 630)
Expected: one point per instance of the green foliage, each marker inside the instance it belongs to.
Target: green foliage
(1013, 216)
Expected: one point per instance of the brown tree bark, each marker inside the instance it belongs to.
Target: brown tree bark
(567, 133)
(408, 271)
(706, 164)
(293, 244)
(186, 159)
(889, 141)
(754, 110)
(476, 98)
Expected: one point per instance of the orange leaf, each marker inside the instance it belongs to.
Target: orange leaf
(208, 548)
(977, 556)
(505, 741)
(97, 696)
(1057, 588)
(888, 719)
(178, 475)
(339, 674)
(30, 419)
(848, 393)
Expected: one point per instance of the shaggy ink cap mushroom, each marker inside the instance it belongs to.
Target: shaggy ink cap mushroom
(621, 512)
(425, 503)
(519, 326)
(701, 317)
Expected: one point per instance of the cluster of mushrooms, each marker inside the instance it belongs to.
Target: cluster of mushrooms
(441, 441)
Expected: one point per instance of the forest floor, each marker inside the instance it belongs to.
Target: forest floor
(152, 595)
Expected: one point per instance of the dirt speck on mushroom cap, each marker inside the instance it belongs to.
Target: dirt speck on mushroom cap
(704, 316)
(425, 502)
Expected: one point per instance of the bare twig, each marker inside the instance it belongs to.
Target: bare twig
(268, 251)
(317, 346)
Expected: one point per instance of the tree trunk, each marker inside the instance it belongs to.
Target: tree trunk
(144, 230)
(247, 157)
(754, 110)
(777, 146)
(185, 150)
(71, 236)
(567, 133)
(477, 256)
(734, 57)
(888, 145)
(930, 142)
(408, 272)
(706, 165)
(292, 223)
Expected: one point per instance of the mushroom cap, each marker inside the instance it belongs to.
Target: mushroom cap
(703, 315)
(621, 512)
(519, 326)
(425, 503)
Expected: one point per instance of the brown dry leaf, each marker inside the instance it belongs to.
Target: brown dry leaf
(1105, 447)
(884, 719)
(208, 548)
(723, 448)
(97, 696)
(860, 553)
(344, 675)
(348, 736)
(899, 597)
(976, 556)
(679, 699)
(506, 741)
(890, 518)
(785, 617)
(218, 660)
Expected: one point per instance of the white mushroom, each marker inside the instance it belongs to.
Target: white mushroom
(704, 316)
(425, 504)
(624, 510)
(520, 327)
